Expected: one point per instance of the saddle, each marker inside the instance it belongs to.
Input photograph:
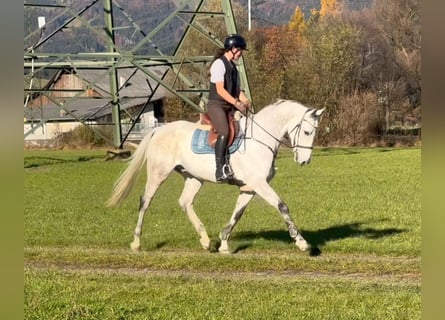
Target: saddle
(213, 135)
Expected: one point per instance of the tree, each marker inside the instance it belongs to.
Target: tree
(330, 8)
(399, 24)
(331, 59)
(266, 65)
(297, 23)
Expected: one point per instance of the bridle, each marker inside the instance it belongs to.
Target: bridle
(296, 128)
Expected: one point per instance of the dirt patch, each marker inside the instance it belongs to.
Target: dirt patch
(360, 274)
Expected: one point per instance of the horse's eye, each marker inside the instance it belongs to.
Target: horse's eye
(307, 133)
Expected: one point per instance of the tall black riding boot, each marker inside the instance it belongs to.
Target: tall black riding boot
(227, 168)
(223, 170)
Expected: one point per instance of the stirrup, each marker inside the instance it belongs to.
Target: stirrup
(221, 178)
(227, 171)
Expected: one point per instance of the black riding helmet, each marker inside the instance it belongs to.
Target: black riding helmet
(235, 41)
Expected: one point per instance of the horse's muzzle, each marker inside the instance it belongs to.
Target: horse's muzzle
(302, 163)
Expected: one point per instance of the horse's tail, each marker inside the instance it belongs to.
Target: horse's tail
(125, 182)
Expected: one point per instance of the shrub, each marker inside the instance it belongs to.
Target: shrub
(85, 136)
(358, 121)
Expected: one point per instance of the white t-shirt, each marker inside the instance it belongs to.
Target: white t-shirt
(217, 71)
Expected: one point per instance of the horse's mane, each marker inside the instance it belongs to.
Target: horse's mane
(270, 107)
(280, 101)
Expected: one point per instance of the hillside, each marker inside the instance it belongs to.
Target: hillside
(277, 12)
(147, 16)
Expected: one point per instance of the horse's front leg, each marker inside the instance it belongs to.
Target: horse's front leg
(300, 242)
(265, 191)
(241, 204)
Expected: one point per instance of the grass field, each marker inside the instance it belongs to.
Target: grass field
(361, 207)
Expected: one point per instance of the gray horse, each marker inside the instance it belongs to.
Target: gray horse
(168, 148)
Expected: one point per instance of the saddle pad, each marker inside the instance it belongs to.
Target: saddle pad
(200, 142)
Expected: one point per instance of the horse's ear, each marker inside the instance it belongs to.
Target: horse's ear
(318, 112)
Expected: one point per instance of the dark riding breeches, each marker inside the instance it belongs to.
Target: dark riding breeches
(218, 114)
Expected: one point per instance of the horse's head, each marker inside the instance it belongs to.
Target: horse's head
(302, 134)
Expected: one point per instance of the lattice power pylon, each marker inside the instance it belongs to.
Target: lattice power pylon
(201, 24)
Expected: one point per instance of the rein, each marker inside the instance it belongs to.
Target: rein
(297, 129)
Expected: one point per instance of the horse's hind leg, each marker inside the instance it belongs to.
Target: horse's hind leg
(241, 204)
(191, 188)
(154, 180)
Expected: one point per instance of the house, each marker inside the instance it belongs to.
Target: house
(85, 99)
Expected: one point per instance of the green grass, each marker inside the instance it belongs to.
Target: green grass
(110, 295)
(360, 206)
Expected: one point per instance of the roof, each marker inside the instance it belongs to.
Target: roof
(87, 109)
(137, 83)
(136, 91)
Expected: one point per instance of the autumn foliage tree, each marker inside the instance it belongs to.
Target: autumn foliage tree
(275, 49)
(330, 8)
(297, 23)
(339, 60)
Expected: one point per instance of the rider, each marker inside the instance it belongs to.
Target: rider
(224, 97)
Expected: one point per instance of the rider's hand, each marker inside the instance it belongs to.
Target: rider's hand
(247, 103)
(242, 107)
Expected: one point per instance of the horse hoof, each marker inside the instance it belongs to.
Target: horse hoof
(205, 244)
(224, 248)
(302, 245)
(135, 247)
(224, 251)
